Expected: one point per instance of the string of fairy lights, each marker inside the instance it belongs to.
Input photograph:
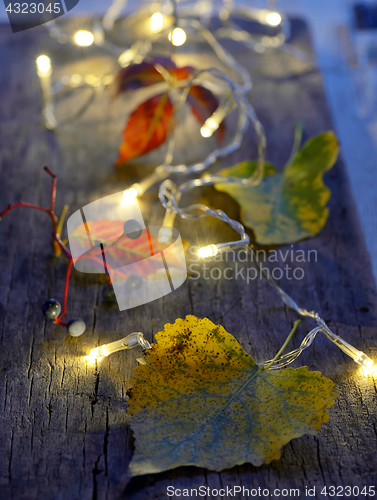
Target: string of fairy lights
(172, 21)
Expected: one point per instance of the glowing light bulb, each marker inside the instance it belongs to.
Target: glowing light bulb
(128, 196)
(177, 37)
(43, 64)
(358, 356)
(94, 355)
(371, 370)
(209, 127)
(206, 131)
(84, 38)
(367, 364)
(273, 18)
(208, 251)
(132, 340)
(213, 122)
(157, 22)
(367, 372)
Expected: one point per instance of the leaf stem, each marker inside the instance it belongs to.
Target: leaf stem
(293, 331)
(61, 219)
(296, 143)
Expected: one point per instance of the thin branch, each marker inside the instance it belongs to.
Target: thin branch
(22, 204)
(68, 274)
(293, 331)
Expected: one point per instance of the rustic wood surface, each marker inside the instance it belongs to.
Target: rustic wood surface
(64, 433)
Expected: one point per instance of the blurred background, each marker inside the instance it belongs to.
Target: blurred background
(344, 35)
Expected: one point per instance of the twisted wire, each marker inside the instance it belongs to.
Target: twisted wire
(167, 196)
(288, 358)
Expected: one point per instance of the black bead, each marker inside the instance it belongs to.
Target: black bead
(76, 327)
(133, 229)
(51, 309)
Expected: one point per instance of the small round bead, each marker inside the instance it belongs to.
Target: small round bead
(108, 293)
(133, 229)
(134, 282)
(76, 327)
(51, 309)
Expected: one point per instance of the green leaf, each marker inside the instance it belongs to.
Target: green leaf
(201, 400)
(290, 205)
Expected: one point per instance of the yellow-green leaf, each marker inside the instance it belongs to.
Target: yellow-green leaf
(290, 205)
(201, 400)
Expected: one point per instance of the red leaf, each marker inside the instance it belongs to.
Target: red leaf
(148, 124)
(146, 128)
(204, 104)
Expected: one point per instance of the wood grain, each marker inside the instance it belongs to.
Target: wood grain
(63, 425)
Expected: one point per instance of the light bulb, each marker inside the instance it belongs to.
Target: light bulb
(206, 131)
(358, 356)
(177, 37)
(208, 251)
(273, 18)
(132, 340)
(209, 127)
(157, 22)
(43, 64)
(94, 355)
(366, 363)
(84, 38)
(213, 122)
(370, 370)
(128, 196)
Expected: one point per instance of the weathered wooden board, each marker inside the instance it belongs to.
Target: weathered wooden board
(63, 425)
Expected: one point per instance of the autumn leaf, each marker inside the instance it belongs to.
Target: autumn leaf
(287, 205)
(141, 75)
(146, 128)
(201, 400)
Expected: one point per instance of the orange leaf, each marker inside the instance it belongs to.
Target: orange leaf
(146, 128)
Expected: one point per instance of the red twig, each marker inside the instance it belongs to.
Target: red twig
(49, 211)
(56, 237)
(57, 242)
(65, 250)
(64, 311)
(22, 204)
(53, 188)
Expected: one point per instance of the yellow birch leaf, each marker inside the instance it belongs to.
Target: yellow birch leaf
(201, 400)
